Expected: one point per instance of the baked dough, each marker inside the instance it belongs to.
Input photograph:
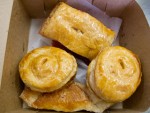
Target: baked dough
(69, 98)
(114, 74)
(47, 69)
(77, 30)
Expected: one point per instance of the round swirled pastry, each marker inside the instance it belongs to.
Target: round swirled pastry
(114, 74)
(47, 69)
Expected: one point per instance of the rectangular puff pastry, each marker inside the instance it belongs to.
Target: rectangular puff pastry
(77, 30)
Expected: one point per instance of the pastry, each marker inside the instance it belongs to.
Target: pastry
(114, 74)
(47, 69)
(69, 98)
(77, 30)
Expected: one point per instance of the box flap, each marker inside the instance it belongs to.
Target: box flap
(40, 8)
(135, 35)
(112, 7)
(35, 8)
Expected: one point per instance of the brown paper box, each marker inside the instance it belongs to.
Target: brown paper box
(14, 30)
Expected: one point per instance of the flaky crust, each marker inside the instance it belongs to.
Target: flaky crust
(68, 99)
(115, 74)
(77, 30)
(47, 69)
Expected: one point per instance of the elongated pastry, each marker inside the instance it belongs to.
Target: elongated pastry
(70, 98)
(77, 30)
(115, 74)
(47, 69)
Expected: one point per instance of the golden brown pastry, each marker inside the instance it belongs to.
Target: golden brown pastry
(77, 30)
(68, 99)
(47, 69)
(115, 74)
(100, 103)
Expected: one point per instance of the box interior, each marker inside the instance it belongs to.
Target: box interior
(134, 35)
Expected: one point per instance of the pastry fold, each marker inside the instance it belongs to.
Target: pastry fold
(114, 74)
(69, 98)
(77, 30)
(47, 69)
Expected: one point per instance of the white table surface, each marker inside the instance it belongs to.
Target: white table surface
(145, 5)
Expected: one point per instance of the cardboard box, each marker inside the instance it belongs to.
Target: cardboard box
(15, 18)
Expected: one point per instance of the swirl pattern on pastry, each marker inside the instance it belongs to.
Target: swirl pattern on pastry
(115, 74)
(47, 69)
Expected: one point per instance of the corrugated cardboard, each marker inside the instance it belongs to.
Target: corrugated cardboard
(134, 33)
